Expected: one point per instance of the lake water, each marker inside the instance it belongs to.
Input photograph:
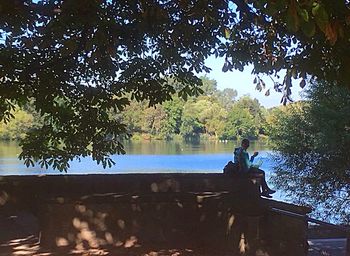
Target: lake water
(147, 157)
(143, 157)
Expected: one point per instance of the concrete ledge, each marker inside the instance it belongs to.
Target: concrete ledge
(212, 212)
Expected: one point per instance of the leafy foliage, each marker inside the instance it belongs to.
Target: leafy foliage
(313, 140)
(202, 116)
(79, 61)
(240, 124)
(298, 37)
(17, 128)
(245, 119)
(173, 110)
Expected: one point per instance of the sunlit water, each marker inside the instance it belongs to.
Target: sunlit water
(145, 157)
(142, 157)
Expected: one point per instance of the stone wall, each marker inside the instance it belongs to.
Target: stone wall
(199, 212)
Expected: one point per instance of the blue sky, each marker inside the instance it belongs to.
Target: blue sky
(242, 82)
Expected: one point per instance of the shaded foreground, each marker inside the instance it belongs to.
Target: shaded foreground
(148, 214)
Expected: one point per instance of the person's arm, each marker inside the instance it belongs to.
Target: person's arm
(253, 156)
(236, 155)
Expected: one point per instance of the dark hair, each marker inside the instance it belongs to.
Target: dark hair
(245, 141)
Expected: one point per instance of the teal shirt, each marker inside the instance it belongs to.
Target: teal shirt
(241, 156)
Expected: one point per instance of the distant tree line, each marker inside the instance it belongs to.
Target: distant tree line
(216, 114)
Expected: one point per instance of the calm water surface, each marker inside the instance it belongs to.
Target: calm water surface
(143, 157)
(147, 157)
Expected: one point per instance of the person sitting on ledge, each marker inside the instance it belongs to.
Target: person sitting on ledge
(245, 165)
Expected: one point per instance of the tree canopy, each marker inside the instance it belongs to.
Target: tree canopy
(302, 37)
(79, 61)
(313, 164)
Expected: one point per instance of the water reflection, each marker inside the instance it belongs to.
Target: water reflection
(179, 147)
(143, 157)
(9, 149)
(147, 157)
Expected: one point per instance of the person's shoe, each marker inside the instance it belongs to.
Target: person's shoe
(265, 194)
(270, 191)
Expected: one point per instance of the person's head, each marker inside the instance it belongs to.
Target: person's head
(245, 143)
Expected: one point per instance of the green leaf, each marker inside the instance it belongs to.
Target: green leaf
(271, 9)
(225, 67)
(309, 28)
(292, 20)
(321, 16)
(304, 14)
(227, 33)
(258, 86)
(315, 8)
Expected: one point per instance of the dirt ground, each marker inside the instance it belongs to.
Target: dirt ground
(19, 235)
